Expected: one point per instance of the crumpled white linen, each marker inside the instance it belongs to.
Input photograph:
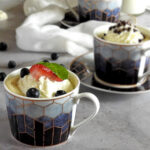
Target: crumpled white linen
(32, 6)
(39, 33)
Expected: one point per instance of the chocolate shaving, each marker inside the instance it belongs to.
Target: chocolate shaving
(119, 24)
(110, 28)
(115, 31)
(123, 29)
(128, 29)
(140, 40)
(123, 23)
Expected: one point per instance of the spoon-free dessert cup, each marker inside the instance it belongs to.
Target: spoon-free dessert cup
(45, 121)
(124, 63)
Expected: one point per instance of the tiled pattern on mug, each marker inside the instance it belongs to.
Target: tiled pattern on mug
(80, 69)
(90, 80)
(118, 64)
(36, 124)
(99, 10)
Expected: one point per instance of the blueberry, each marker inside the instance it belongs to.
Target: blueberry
(60, 92)
(3, 46)
(54, 56)
(2, 76)
(33, 92)
(11, 64)
(45, 60)
(24, 72)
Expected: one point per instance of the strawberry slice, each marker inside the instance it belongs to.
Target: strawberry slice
(39, 70)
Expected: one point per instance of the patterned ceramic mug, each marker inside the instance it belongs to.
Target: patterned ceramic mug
(121, 65)
(103, 10)
(44, 121)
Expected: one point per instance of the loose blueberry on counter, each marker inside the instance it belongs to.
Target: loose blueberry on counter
(24, 72)
(11, 64)
(2, 76)
(33, 92)
(3, 46)
(54, 56)
(60, 92)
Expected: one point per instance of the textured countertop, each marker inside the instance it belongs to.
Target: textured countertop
(123, 122)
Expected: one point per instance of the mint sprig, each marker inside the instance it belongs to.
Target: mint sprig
(59, 70)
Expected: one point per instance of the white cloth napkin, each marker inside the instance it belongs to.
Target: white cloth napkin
(32, 6)
(39, 33)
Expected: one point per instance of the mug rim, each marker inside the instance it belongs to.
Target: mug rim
(115, 43)
(39, 99)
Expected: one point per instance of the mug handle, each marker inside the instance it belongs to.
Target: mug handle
(76, 15)
(96, 103)
(141, 74)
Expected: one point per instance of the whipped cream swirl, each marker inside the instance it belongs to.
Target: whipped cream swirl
(124, 33)
(46, 87)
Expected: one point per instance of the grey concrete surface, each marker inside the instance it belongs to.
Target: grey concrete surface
(123, 122)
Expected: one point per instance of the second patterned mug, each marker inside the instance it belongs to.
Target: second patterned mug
(103, 10)
(121, 65)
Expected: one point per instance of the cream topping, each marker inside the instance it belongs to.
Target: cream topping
(125, 33)
(46, 87)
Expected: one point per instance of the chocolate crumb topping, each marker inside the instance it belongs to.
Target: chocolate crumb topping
(128, 29)
(116, 31)
(123, 29)
(140, 40)
(119, 24)
(128, 33)
(112, 27)
(124, 23)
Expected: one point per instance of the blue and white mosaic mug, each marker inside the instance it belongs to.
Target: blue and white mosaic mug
(103, 10)
(121, 65)
(43, 121)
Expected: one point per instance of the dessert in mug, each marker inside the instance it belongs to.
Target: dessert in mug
(41, 103)
(125, 33)
(37, 113)
(42, 80)
(121, 54)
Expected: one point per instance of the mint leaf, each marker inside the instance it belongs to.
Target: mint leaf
(59, 70)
